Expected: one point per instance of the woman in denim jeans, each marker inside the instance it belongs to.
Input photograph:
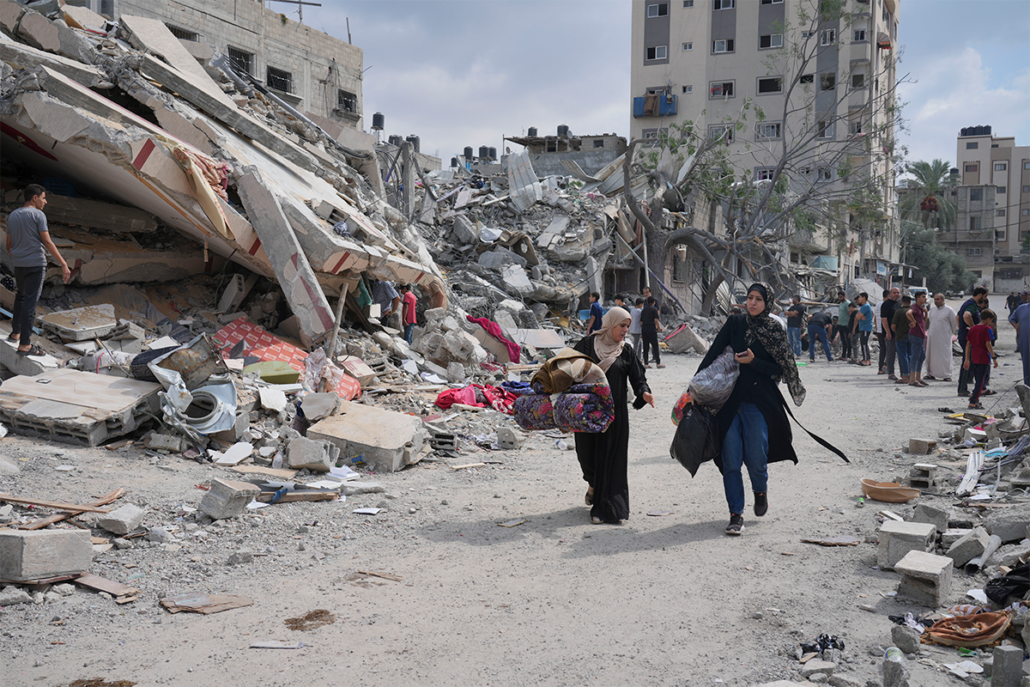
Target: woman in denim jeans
(753, 424)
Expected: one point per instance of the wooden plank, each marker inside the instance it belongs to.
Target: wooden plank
(70, 507)
(385, 576)
(293, 496)
(100, 584)
(467, 465)
(53, 519)
(281, 473)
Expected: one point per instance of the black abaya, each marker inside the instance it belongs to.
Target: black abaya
(604, 457)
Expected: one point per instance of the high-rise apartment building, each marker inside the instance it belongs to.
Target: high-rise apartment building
(823, 74)
(993, 198)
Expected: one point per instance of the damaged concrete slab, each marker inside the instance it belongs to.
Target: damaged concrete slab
(76, 407)
(388, 440)
(287, 257)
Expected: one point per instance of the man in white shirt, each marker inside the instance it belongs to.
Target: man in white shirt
(634, 324)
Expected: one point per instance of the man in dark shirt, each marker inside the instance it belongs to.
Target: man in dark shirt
(968, 316)
(887, 310)
(657, 304)
(795, 319)
(819, 325)
(649, 328)
(596, 313)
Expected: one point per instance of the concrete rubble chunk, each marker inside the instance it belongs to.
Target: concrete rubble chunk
(465, 232)
(950, 536)
(12, 596)
(355, 488)
(272, 399)
(817, 667)
(318, 406)
(309, 454)
(925, 578)
(27, 555)
(899, 538)
(921, 447)
(10, 14)
(227, 498)
(508, 439)
(236, 454)
(1009, 523)
(8, 467)
(291, 266)
(1007, 669)
(926, 513)
(164, 442)
(968, 547)
(905, 638)
(356, 368)
(122, 520)
(386, 439)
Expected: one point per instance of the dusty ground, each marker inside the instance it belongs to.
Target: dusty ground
(554, 601)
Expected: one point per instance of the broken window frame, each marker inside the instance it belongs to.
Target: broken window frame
(828, 81)
(276, 79)
(346, 101)
(240, 59)
(827, 37)
(688, 89)
(183, 34)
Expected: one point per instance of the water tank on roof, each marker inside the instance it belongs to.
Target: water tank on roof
(532, 132)
(953, 171)
(395, 140)
(378, 121)
(413, 140)
(454, 162)
(987, 130)
(484, 152)
(964, 131)
(563, 130)
(493, 153)
(468, 152)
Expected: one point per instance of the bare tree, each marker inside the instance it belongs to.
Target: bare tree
(824, 161)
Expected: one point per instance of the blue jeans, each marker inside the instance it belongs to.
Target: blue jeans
(816, 332)
(904, 351)
(746, 443)
(409, 331)
(916, 354)
(794, 337)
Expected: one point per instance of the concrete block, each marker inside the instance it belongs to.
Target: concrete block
(233, 294)
(236, 454)
(387, 439)
(1007, 670)
(1009, 523)
(464, 231)
(899, 538)
(922, 476)
(925, 513)
(308, 454)
(357, 369)
(925, 578)
(39, 32)
(27, 555)
(460, 344)
(508, 439)
(922, 446)
(12, 596)
(455, 372)
(318, 406)
(950, 536)
(817, 667)
(122, 520)
(288, 260)
(10, 14)
(968, 547)
(227, 498)
(164, 442)
(26, 366)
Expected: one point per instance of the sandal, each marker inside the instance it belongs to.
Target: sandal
(589, 499)
(33, 350)
(930, 377)
(946, 379)
(976, 406)
(989, 392)
(14, 338)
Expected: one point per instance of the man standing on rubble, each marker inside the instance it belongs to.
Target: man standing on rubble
(968, 316)
(388, 299)
(795, 319)
(409, 316)
(27, 237)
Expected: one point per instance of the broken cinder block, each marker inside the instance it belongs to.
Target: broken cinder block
(227, 498)
(388, 440)
(925, 578)
(897, 539)
(925, 513)
(308, 454)
(921, 447)
(27, 555)
(122, 520)
(923, 476)
(968, 547)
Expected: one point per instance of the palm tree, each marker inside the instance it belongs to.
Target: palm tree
(928, 200)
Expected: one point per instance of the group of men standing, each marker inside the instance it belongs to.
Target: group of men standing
(645, 323)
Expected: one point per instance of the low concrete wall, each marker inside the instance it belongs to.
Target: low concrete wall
(591, 161)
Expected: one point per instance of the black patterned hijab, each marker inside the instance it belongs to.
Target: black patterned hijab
(767, 330)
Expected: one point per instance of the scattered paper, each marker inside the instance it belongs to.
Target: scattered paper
(367, 511)
(342, 473)
(512, 523)
(659, 513)
(332, 485)
(979, 595)
(198, 602)
(254, 505)
(410, 366)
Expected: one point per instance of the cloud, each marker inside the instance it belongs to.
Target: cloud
(953, 91)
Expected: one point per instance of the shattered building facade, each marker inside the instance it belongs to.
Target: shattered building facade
(698, 61)
(311, 70)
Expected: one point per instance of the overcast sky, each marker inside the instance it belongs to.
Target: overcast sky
(468, 72)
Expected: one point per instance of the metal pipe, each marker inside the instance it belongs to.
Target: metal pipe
(973, 566)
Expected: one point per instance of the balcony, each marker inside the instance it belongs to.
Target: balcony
(656, 105)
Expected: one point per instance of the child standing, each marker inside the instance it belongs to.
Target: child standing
(979, 354)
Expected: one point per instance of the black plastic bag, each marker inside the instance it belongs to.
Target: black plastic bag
(1015, 583)
(696, 440)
